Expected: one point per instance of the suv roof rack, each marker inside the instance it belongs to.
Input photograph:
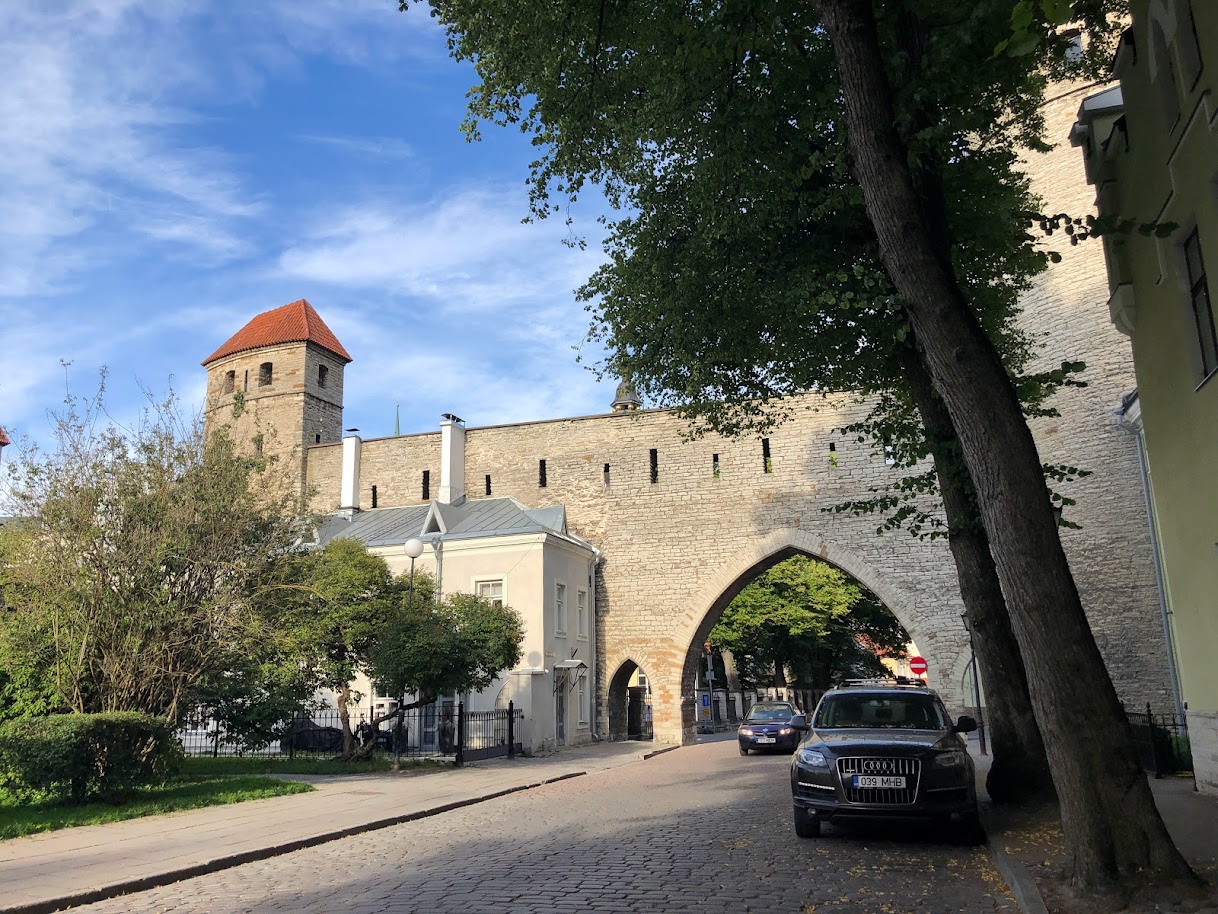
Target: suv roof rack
(915, 681)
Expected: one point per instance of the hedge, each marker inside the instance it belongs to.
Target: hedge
(80, 757)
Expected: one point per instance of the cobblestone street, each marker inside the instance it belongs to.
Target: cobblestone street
(700, 829)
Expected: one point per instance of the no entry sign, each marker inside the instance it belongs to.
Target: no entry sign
(917, 665)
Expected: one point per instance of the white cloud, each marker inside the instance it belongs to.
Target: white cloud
(466, 252)
(375, 147)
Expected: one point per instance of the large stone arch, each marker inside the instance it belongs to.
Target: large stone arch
(946, 655)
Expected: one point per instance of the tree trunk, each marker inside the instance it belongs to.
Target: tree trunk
(729, 672)
(1020, 769)
(344, 718)
(1113, 830)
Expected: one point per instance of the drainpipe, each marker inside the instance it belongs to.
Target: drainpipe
(594, 717)
(1132, 425)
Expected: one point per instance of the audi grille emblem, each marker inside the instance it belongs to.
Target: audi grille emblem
(879, 766)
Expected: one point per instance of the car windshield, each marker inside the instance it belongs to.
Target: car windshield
(903, 711)
(771, 712)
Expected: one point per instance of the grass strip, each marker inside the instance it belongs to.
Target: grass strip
(188, 792)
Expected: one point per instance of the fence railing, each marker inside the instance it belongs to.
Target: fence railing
(1162, 742)
(438, 730)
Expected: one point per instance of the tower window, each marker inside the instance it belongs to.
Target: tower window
(230, 381)
(767, 464)
(541, 474)
(715, 465)
(427, 485)
(317, 438)
(374, 496)
(264, 374)
(488, 483)
(655, 465)
(605, 476)
(322, 372)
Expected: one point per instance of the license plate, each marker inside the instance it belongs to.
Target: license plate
(867, 780)
(766, 739)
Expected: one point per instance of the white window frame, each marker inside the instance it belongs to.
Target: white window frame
(581, 614)
(582, 688)
(560, 607)
(502, 582)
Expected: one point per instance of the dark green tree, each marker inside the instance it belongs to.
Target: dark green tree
(668, 104)
(142, 562)
(461, 645)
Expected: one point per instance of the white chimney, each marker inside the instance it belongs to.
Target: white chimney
(452, 460)
(349, 493)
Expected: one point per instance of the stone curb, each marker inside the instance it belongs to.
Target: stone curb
(659, 752)
(156, 880)
(1023, 887)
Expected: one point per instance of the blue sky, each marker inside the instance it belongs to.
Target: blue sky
(170, 169)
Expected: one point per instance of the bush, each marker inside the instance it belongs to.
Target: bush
(80, 757)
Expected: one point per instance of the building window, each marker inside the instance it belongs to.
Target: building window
(230, 381)
(560, 609)
(1188, 46)
(264, 374)
(490, 590)
(1199, 299)
(426, 485)
(583, 699)
(1165, 77)
(581, 613)
(322, 374)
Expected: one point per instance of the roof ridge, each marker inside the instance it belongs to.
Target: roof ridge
(295, 322)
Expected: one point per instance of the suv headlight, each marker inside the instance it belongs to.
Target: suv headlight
(746, 731)
(785, 731)
(949, 759)
(812, 759)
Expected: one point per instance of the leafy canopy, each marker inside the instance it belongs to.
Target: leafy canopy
(142, 561)
(809, 621)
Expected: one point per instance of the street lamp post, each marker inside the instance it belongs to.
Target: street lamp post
(976, 684)
(413, 549)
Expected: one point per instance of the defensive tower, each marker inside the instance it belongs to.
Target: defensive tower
(277, 383)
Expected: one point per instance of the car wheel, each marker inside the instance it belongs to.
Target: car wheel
(744, 750)
(807, 825)
(971, 833)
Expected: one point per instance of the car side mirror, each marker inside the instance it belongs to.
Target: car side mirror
(799, 722)
(965, 724)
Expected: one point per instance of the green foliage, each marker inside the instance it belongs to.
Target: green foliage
(145, 560)
(75, 757)
(350, 595)
(806, 619)
(461, 645)
(253, 702)
(742, 266)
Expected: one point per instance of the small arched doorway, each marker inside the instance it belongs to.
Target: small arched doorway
(630, 703)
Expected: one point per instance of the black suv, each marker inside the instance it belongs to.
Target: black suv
(881, 749)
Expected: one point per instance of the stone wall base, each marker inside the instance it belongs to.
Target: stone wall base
(1203, 738)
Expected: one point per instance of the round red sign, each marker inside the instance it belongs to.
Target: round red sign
(917, 665)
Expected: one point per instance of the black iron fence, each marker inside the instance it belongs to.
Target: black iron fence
(438, 730)
(1162, 741)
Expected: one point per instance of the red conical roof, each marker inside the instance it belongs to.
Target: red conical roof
(297, 322)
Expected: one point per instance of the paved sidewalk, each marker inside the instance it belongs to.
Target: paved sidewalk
(54, 870)
(1191, 819)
